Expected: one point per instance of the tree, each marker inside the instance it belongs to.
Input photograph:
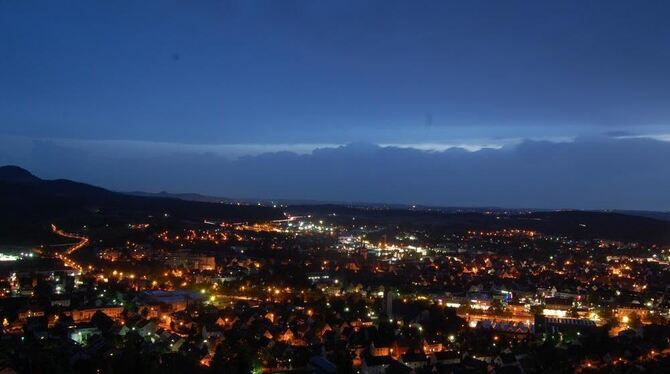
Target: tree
(343, 361)
(634, 321)
(442, 320)
(102, 321)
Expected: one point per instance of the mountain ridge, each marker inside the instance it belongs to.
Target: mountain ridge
(659, 215)
(34, 203)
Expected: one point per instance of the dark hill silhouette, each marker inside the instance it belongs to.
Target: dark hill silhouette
(15, 174)
(574, 223)
(29, 204)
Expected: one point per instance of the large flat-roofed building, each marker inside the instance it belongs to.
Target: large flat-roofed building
(544, 324)
(85, 315)
(174, 301)
(191, 260)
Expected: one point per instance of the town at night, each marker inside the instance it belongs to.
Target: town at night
(332, 289)
(334, 187)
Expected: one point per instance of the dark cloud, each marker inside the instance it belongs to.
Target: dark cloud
(619, 133)
(586, 173)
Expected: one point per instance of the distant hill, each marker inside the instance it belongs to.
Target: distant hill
(219, 199)
(606, 225)
(665, 216)
(186, 196)
(574, 223)
(640, 226)
(29, 204)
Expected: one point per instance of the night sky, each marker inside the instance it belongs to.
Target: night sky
(530, 104)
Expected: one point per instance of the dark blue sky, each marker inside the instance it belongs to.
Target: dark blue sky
(152, 79)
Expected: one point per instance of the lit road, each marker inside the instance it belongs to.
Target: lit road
(83, 241)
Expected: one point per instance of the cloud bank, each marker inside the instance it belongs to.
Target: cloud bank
(595, 173)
